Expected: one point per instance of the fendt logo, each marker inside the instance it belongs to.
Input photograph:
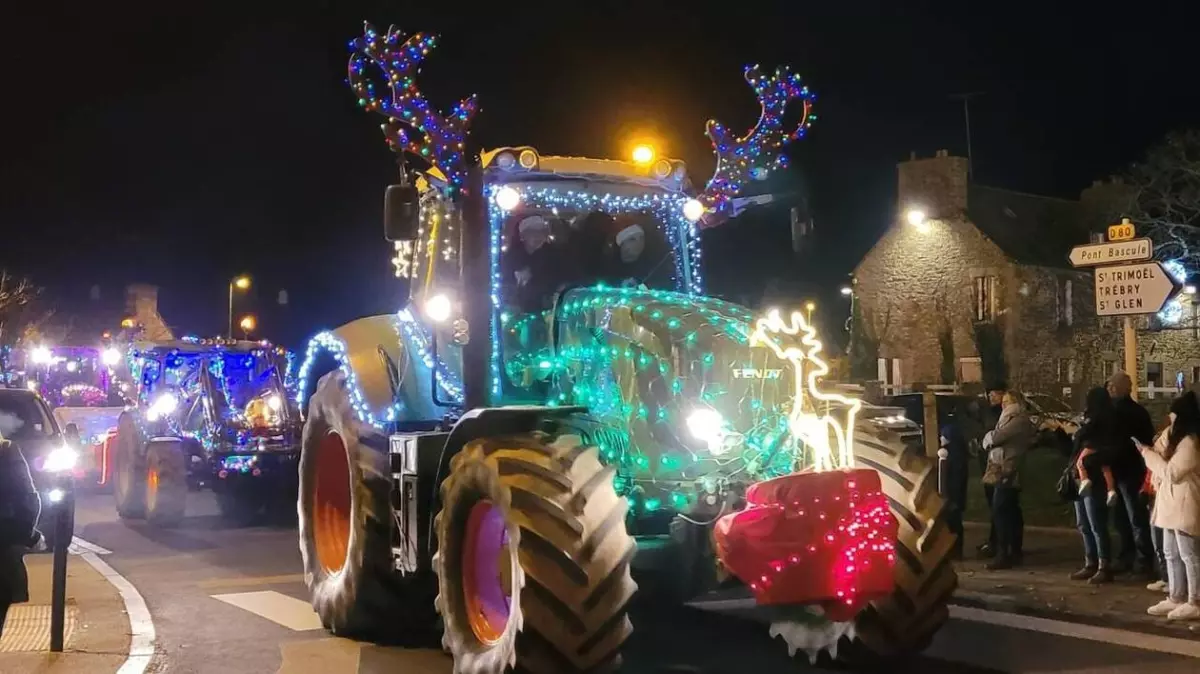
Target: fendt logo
(754, 373)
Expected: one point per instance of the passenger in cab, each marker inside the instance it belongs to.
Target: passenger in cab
(536, 265)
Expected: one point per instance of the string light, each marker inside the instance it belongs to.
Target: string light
(806, 538)
(418, 340)
(413, 125)
(754, 155)
(330, 344)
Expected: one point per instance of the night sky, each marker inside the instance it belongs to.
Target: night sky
(180, 144)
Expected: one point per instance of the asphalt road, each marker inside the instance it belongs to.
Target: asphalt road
(232, 600)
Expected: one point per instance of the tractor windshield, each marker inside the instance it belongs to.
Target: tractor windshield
(543, 253)
(248, 389)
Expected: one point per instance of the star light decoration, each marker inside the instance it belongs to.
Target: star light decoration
(413, 125)
(754, 155)
(1172, 313)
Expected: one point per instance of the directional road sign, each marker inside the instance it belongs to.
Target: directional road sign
(1092, 254)
(1131, 289)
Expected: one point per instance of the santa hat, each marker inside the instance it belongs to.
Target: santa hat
(532, 222)
(628, 233)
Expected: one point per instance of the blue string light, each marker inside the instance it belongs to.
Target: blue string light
(331, 344)
(418, 339)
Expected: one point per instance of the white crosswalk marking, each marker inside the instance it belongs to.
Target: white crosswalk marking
(279, 608)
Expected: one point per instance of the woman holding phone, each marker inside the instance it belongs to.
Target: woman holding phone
(1177, 508)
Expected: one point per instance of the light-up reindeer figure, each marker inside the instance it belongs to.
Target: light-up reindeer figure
(750, 157)
(830, 438)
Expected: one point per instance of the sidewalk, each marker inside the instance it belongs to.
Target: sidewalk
(1041, 588)
(96, 639)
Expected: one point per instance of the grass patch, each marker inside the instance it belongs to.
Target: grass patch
(1039, 495)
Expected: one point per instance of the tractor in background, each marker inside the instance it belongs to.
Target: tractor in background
(560, 404)
(87, 387)
(209, 413)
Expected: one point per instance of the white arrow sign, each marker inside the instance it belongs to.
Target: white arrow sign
(1133, 289)
(1092, 254)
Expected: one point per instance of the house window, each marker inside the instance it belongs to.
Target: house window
(1154, 374)
(1066, 369)
(1064, 303)
(1108, 368)
(985, 298)
(889, 371)
(1196, 374)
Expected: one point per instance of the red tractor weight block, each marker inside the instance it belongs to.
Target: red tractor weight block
(812, 538)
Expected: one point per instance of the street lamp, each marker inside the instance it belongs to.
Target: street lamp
(847, 291)
(915, 216)
(241, 283)
(247, 324)
(809, 306)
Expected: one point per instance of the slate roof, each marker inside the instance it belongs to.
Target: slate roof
(1030, 229)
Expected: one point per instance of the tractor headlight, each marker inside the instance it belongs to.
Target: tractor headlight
(162, 406)
(60, 460)
(708, 426)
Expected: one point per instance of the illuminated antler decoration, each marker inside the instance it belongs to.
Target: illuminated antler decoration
(413, 125)
(761, 149)
(831, 439)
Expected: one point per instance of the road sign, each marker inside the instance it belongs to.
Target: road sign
(1121, 232)
(1133, 289)
(1092, 254)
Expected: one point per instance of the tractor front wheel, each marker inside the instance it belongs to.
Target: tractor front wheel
(533, 558)
(166, 483)
(345, 519)
(904, 622)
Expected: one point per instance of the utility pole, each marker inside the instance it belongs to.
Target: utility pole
(966, 101)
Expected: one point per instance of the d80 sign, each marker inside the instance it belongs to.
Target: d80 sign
(1133, 289)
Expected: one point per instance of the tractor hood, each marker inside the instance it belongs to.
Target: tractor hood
(694, 388)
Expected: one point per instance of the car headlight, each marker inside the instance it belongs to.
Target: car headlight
(60, 460)
(162, 406)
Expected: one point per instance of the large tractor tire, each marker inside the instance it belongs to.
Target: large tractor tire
(166, 483)
(128, 470)
(905, 622)
(345, 524)
(533, 558)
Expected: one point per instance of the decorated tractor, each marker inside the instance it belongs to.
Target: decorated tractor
(560, 408)
(87, 388)
(209, 413)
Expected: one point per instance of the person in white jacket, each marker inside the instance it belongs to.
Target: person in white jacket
(1176, 469)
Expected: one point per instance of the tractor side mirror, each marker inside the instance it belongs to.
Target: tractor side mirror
(401, 213)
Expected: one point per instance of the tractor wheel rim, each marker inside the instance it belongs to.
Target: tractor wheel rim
(487, 572)
(331, 503)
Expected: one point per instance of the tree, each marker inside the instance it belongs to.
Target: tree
(16, 300)
(1166, 197)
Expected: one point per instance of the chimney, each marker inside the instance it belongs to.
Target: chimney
(912, 156)
(942, 153)
(936, 185)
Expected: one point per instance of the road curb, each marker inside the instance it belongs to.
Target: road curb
(142, 635)
(1005, 604)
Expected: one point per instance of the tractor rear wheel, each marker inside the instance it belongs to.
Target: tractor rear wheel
(129, 470)
(166, 483)
(533, 558)
(904, 622)
(345, 527)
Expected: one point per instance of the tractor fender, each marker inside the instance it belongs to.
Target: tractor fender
(493, 421)
(356, 348)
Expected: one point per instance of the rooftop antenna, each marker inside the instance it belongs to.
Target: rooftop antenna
(966, 101)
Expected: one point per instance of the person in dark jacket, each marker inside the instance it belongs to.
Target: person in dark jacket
(19, 511)
(1098, 432)
(957, 468)
(1129, 469)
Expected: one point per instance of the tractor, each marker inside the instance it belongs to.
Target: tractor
(209, 413)
(559, 407)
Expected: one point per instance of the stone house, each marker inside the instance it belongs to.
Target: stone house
(995, 257)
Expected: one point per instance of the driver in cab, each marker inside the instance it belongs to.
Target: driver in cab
(631, 265)
(536, 271)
